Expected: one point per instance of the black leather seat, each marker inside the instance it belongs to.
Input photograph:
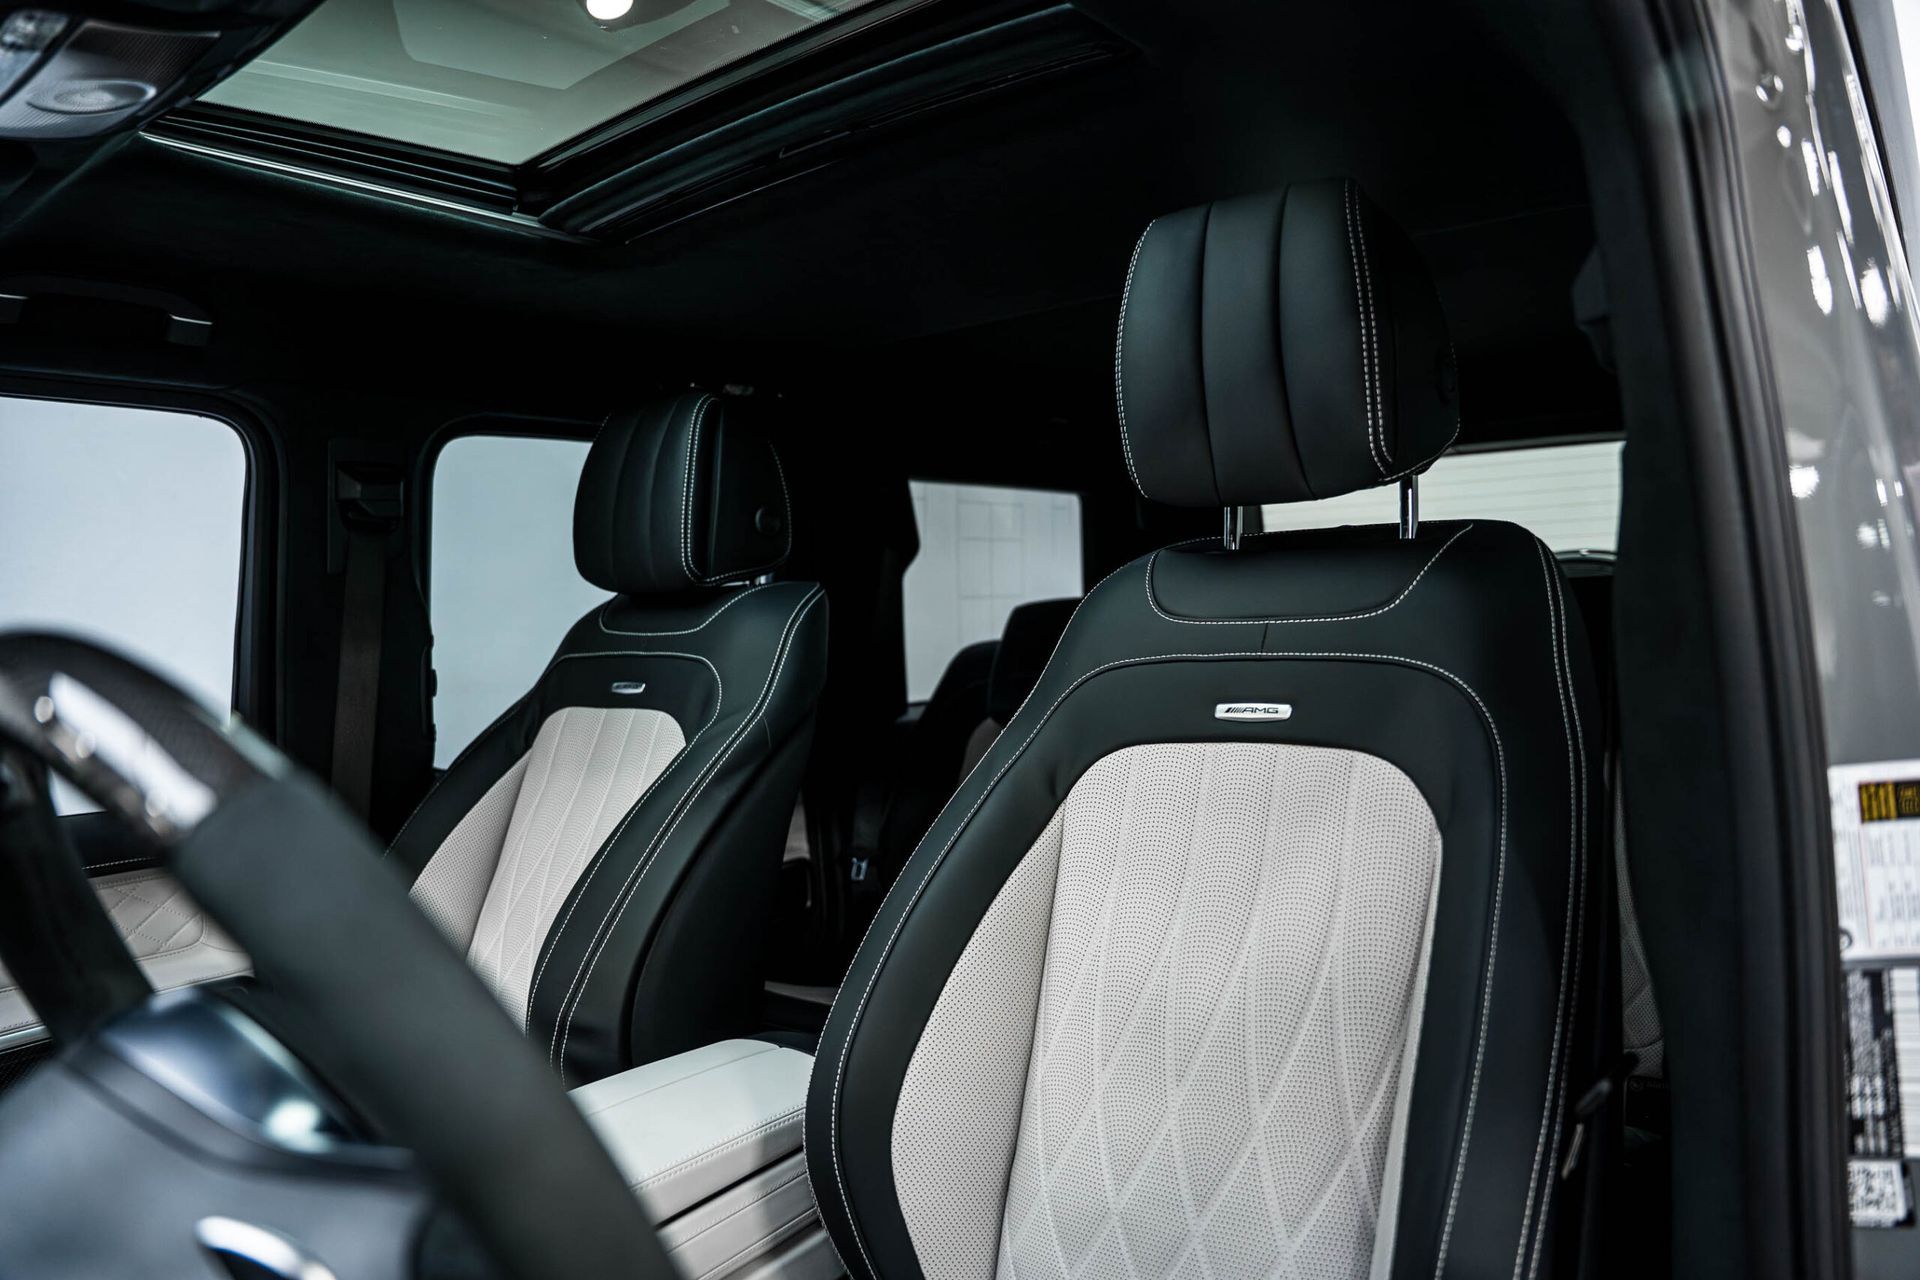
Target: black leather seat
(606, 852)
(1254, 945)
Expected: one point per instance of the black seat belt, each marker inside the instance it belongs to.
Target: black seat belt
(369, 509)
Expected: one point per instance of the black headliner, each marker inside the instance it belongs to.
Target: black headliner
(967, 272)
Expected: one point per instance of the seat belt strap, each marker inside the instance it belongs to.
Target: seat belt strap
(370, 511)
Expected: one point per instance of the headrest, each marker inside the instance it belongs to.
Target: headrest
(1280, 347)
(1032, 633)
(679, 494)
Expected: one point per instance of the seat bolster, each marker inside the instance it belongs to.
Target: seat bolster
(1460, 670)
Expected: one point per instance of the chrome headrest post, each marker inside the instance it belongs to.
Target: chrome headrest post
(1233, 527)
(1410, 507)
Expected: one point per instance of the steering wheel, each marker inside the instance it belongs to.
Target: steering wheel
(174, 1134)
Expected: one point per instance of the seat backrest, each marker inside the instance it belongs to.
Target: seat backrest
(1253, 946)
(606, 852)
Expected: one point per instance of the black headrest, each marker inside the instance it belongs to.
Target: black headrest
(1280, 347)
(1032, 633)
(678, 494)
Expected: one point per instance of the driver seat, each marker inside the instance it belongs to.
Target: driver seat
(606, 854)
(1254, 944)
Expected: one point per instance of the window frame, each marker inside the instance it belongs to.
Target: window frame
(258, 693)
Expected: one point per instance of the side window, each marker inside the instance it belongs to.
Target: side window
(501, 583)
(1568, 495)
(125, 526)
(983, 550)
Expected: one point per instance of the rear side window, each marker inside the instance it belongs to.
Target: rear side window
(983, 550)
(1567, 495)
(501, 583)
(125, 526)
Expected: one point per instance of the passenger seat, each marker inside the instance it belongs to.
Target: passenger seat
(606, 853)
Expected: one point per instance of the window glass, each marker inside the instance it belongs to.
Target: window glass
(502, 80)
(1568, 495)
(125, 526)
(983, 550)
(502, 585)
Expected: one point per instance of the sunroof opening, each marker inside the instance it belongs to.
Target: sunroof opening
(502, 80)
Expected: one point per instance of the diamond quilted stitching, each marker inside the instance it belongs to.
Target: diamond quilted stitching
(587, 768)
(1231, 960)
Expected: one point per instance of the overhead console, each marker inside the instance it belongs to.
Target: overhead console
(73, 71)
(710, 1142)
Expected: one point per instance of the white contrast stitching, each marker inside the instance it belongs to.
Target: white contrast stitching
(726, 1144)
(720, 693)
(1493, 926)
(1363, 313)
(732, 600)
(551, 944)
(1572, 938)
(557, 1045)
(1119, 346)
(1372, 333)
(1340, 617)
(686, 489)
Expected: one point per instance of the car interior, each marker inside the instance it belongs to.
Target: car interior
(889, 638)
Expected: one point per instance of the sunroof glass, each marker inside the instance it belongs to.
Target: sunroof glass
(502, 80)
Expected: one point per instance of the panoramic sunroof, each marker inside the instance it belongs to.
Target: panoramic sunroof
(502, 80)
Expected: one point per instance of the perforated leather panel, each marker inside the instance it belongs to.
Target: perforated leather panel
(1233, 956)
(165, 930)
(587, 768)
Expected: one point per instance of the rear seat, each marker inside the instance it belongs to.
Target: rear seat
(979, 692)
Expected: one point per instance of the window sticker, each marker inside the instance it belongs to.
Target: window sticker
(1876, 853)
(1876, 850)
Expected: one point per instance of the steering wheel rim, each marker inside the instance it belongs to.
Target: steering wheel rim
(431, 1059)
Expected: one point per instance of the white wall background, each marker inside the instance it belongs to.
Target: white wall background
(983, 550)
(1567, 495)
(502, 588)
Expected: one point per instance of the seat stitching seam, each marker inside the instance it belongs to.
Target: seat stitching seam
(1576, 922)
(726, 1144)
(551, 942)
(625, 896)
(687, 631)
(670, 1081)
(1338, 617)
(1493, 926)
(1119, 347)
(686, 489)
(1361, 314)
(1372, 332)
(720, 693)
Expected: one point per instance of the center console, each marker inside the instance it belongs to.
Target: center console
(709, 1140)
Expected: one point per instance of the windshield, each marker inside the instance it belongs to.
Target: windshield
(502, 80)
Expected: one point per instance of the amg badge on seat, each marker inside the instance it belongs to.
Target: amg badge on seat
(629, 687)
(1253, 711)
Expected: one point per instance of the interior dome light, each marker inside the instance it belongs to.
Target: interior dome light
(617, 15)
(90, 97)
